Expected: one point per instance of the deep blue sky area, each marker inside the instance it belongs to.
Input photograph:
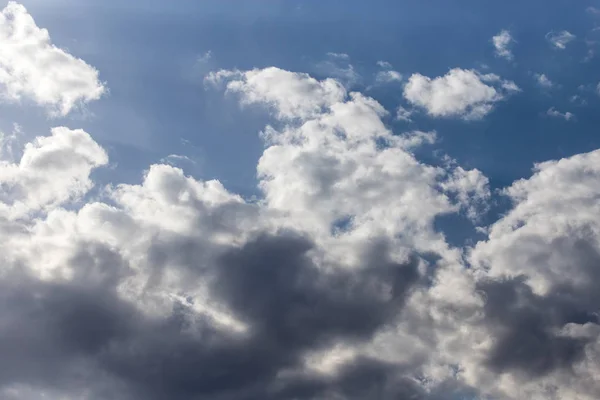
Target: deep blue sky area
(148, 54)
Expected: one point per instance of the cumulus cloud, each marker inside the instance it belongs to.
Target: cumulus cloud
(460, 93)
(52, 170)
(32, 68)
(553, 112)
(291, 95)
(335, 284)
(546, 253)
(502, 42)
(172, 272)
(561, 39)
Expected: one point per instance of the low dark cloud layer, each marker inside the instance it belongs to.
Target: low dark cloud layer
(60, 334)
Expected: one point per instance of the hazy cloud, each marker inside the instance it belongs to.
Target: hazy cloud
(502, 43)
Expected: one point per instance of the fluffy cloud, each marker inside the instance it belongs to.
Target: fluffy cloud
(502, 42)
(177, 288)
(32, 68)
(561, 39)
(339, 149)
(334, 284)
(52, 170)
(460, 93)
(545, 253)
(291, 95)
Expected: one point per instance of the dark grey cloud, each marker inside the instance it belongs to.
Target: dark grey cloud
(81, 335)
(526, 325)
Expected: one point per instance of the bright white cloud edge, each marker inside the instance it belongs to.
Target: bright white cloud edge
(34, 69)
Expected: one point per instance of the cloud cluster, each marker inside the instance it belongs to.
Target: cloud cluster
(462, 93)
(336, 284)
(32, 68)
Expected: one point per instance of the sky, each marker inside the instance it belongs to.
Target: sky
(299, 200)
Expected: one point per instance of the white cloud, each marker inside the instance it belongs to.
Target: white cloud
(560, 40)
(558, 201)
(472, 191)
(52, 170)
(291, 95)
(460, 93)
(543, 81)
(552, 239)
(336, 282)
(388, 76)
(164, 243)
(384, 65)
(322, 155)
(553, 112)
(342, 56)
(32, 68)
(502, 42)
(175, 158)
(402, 114)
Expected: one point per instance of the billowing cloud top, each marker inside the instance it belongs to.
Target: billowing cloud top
(335, 284)
(32, 68)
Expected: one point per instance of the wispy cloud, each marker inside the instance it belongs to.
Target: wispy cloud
(561, 39)
(502, 43)
(567, 116)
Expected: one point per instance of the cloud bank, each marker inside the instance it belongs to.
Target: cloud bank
(335, 284)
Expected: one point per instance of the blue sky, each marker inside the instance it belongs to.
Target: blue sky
(270, 199)
(147, 53)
